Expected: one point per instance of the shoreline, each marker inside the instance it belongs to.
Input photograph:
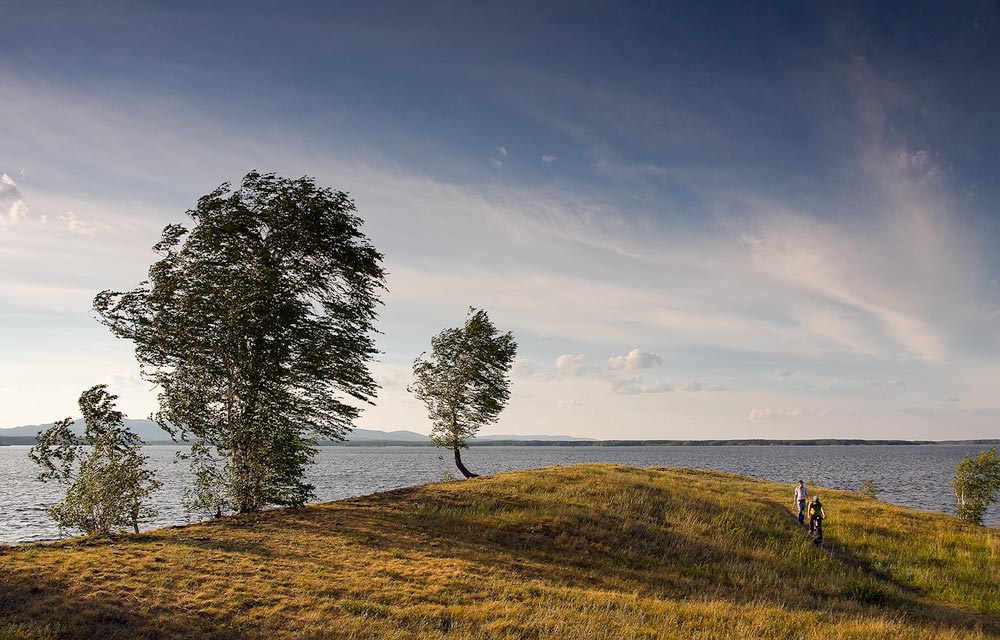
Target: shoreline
(750, 442)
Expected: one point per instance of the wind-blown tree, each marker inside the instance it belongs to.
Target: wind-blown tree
(464, 381)
(256, 324)
(977, 485)
(105, 473)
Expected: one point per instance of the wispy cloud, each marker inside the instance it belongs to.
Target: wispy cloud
(881, 384)
(76, 225)
(576, 366)
(757, 280)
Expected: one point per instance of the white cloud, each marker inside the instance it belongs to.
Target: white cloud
(568, 404)
(547, 159)
(694, 386)
(502, 151)
(76, 225)
(782, 374)
(634, 386)
(570, 361)
(635, 359)
(497, 164)
(765, 413)
(12, 205)
(576, 365)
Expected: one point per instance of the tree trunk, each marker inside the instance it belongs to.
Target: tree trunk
(461, 467)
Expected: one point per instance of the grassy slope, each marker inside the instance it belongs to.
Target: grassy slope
(594, 551)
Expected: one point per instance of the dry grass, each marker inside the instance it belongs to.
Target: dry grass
(594, 551)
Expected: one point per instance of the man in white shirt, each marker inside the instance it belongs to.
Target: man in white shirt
(801, 495)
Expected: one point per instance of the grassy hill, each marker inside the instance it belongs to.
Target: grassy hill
(593, 551)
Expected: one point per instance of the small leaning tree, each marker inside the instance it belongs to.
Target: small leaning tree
(105, 473)
(255, 324)
(977, 485)
(464, 381)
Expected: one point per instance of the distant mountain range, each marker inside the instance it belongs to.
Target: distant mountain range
(150, 432)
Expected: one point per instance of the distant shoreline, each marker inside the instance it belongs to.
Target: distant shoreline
(612, 443)
(675, 443)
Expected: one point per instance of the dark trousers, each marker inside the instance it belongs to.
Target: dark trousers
(802, 511)
(816, 526)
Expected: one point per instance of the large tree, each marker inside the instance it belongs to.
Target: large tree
(464, 381)
(256, 324)
(105, 473)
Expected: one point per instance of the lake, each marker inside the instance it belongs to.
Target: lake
(917, 476)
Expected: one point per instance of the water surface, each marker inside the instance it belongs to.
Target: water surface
(917, 476)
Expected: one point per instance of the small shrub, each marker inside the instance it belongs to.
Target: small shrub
(868, 489)
(865, 591)
(977, 485)
(365, 609)
(27, 632)
(366, 539)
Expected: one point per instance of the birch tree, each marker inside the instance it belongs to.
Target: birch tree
(105, 474)
(257, 325)
(464, 381)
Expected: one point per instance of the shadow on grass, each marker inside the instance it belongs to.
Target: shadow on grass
(882, 589)
(31, 608)
(582, 549)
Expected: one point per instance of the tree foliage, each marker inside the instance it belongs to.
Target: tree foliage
(105, 473)
(256, 324)
(977, 485)
(464, 381)
(869, 489)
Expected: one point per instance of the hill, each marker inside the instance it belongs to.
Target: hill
(149, 431)
(374, 435)
(592, 551)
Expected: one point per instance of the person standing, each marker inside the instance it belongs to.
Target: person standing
(801, 495)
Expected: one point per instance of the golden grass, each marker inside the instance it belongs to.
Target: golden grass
(593, 551)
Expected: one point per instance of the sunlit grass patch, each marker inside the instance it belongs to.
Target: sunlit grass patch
(593, 551)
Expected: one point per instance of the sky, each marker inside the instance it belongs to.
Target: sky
(699, 220)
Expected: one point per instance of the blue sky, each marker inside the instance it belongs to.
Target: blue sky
(736, 220)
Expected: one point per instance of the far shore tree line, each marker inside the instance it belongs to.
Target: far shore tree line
(257, 324)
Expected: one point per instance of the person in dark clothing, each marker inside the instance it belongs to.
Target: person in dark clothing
(816, 517)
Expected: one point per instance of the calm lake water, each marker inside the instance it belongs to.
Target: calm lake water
(917, 476)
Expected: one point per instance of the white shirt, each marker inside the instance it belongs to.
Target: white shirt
(801, 492)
